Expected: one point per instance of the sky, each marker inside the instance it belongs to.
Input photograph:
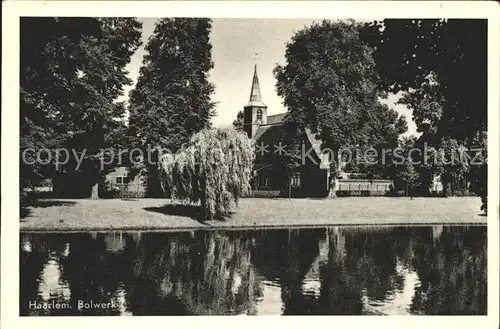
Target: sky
(235, 43)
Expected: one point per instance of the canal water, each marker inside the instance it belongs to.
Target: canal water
(332, 271)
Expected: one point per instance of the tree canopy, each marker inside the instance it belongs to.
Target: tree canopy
(171, 100)
(441, 64)
(330, 85)
(72, 72)
(239, 121)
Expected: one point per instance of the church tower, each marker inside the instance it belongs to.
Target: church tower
(255, 111)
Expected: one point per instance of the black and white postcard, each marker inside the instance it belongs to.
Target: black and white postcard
(165, 160)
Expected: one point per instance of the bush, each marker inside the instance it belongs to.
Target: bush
(265, 194)
(128, 194)
(108, 191)
(437, 194)
(364, 193)
(484, 205)
(463, 193)
(348, 193)
(400, 193)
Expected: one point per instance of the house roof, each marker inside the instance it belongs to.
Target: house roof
(276, 118)
(273, 121)
(270, 134)
(274, 132)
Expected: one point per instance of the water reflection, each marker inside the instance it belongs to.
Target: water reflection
(338, 270)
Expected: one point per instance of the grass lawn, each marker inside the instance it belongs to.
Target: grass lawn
(164, 214)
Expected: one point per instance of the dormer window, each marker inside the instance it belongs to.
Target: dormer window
(259, 115)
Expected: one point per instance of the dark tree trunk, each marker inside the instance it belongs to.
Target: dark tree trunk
(447, 191)
(332, 192)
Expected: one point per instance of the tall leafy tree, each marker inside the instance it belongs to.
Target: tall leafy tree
(329, 85)
(448, 54)
(239, 121)
(452, 164)
(448, 155)
(72, 71)
(441, 67)
(172, 98)
(47, 65)
(101, 81)
(407, 172)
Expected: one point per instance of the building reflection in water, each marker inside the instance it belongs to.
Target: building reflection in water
(337, 270)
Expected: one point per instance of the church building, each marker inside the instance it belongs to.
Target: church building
(312, 178)
(271, 140)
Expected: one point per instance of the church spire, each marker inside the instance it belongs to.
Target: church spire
(255, 96)
(255, 92)
(255, 112)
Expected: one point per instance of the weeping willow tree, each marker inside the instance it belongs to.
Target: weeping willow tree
(214, 169)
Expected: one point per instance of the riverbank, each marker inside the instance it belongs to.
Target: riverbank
(164, 214)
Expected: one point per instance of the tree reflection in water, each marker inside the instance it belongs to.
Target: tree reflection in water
(338, 270)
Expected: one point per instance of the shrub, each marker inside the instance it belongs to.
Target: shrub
(131, 194)
(265, 194)
(400, 193)
(463, 193)
(107, 190)
(484, 204)
(437, 194)
(344, 193)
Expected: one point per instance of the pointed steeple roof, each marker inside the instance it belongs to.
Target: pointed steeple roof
(255, 96)
(255, 92)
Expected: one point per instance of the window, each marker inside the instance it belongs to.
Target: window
(262, 179)
(295, 179)
(325, 158)
(259, 115)
(122, 180)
